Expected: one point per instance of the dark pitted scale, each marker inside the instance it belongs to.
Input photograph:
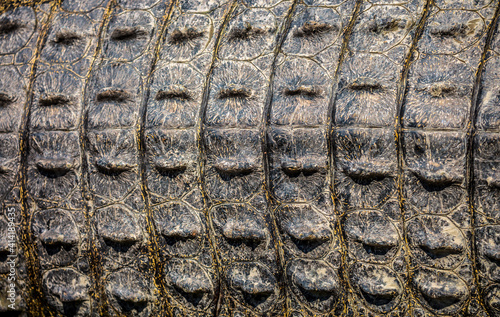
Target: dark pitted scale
(239, 158)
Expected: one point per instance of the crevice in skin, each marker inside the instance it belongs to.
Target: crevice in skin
(303, 91)
(202, 155)
(366, 84)
(266, 119)
(127, 33)
(343, 274)
(469, 177)
(67, 38)
(233, 93)
(35, 301)
(183, 36)
(113, 95)
(455, 31)
(179, 94)
(246, 33)
(398, 130)
(154, 233)
(54, 100)
(9, 27)
(313, 29)
(6, 100)
(97, 290)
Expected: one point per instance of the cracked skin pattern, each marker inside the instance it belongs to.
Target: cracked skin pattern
(251, 157)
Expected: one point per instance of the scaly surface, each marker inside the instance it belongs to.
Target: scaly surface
(250, 157)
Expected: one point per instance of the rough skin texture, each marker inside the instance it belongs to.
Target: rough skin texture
(250, 158)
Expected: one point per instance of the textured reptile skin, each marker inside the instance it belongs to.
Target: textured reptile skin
(250, 158)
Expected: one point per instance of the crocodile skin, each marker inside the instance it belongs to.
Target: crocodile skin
(250, 158)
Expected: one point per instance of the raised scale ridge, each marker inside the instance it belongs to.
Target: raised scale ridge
(251, 158)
